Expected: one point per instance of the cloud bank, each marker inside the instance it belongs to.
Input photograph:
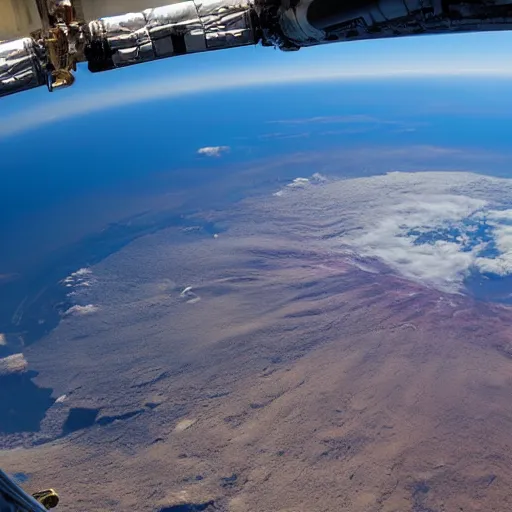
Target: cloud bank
(409, 237)
(435, 228)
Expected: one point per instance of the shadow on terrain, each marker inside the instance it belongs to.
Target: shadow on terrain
(23, 404)
(79, 418)
(190, 507)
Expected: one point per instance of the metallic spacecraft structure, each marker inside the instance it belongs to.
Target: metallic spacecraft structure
(42, 41)
(14, 499)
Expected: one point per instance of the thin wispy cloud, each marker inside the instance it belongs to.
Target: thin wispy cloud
(352, 119)
(284, 136)
(348, 125)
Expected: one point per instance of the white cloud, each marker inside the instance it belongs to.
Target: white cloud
(500, 266)
(298, 183)
(82, 272)
(3, 340)
(502, 263)
(81, 310)
(435, 228)
(301, 183)
(15, 363)
(441, 264)
(79, 279)
(189, 296)
(408, 237)
(433, 238)
(501, 216)
(214, 151)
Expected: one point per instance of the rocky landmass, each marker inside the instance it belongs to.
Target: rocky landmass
(264, 371)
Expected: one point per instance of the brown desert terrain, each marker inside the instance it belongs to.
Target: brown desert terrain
(263, 371)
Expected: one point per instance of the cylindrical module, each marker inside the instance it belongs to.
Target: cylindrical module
(115, 41)
(90, 10)
(176, 29)
(312, 22)
(22, 66)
